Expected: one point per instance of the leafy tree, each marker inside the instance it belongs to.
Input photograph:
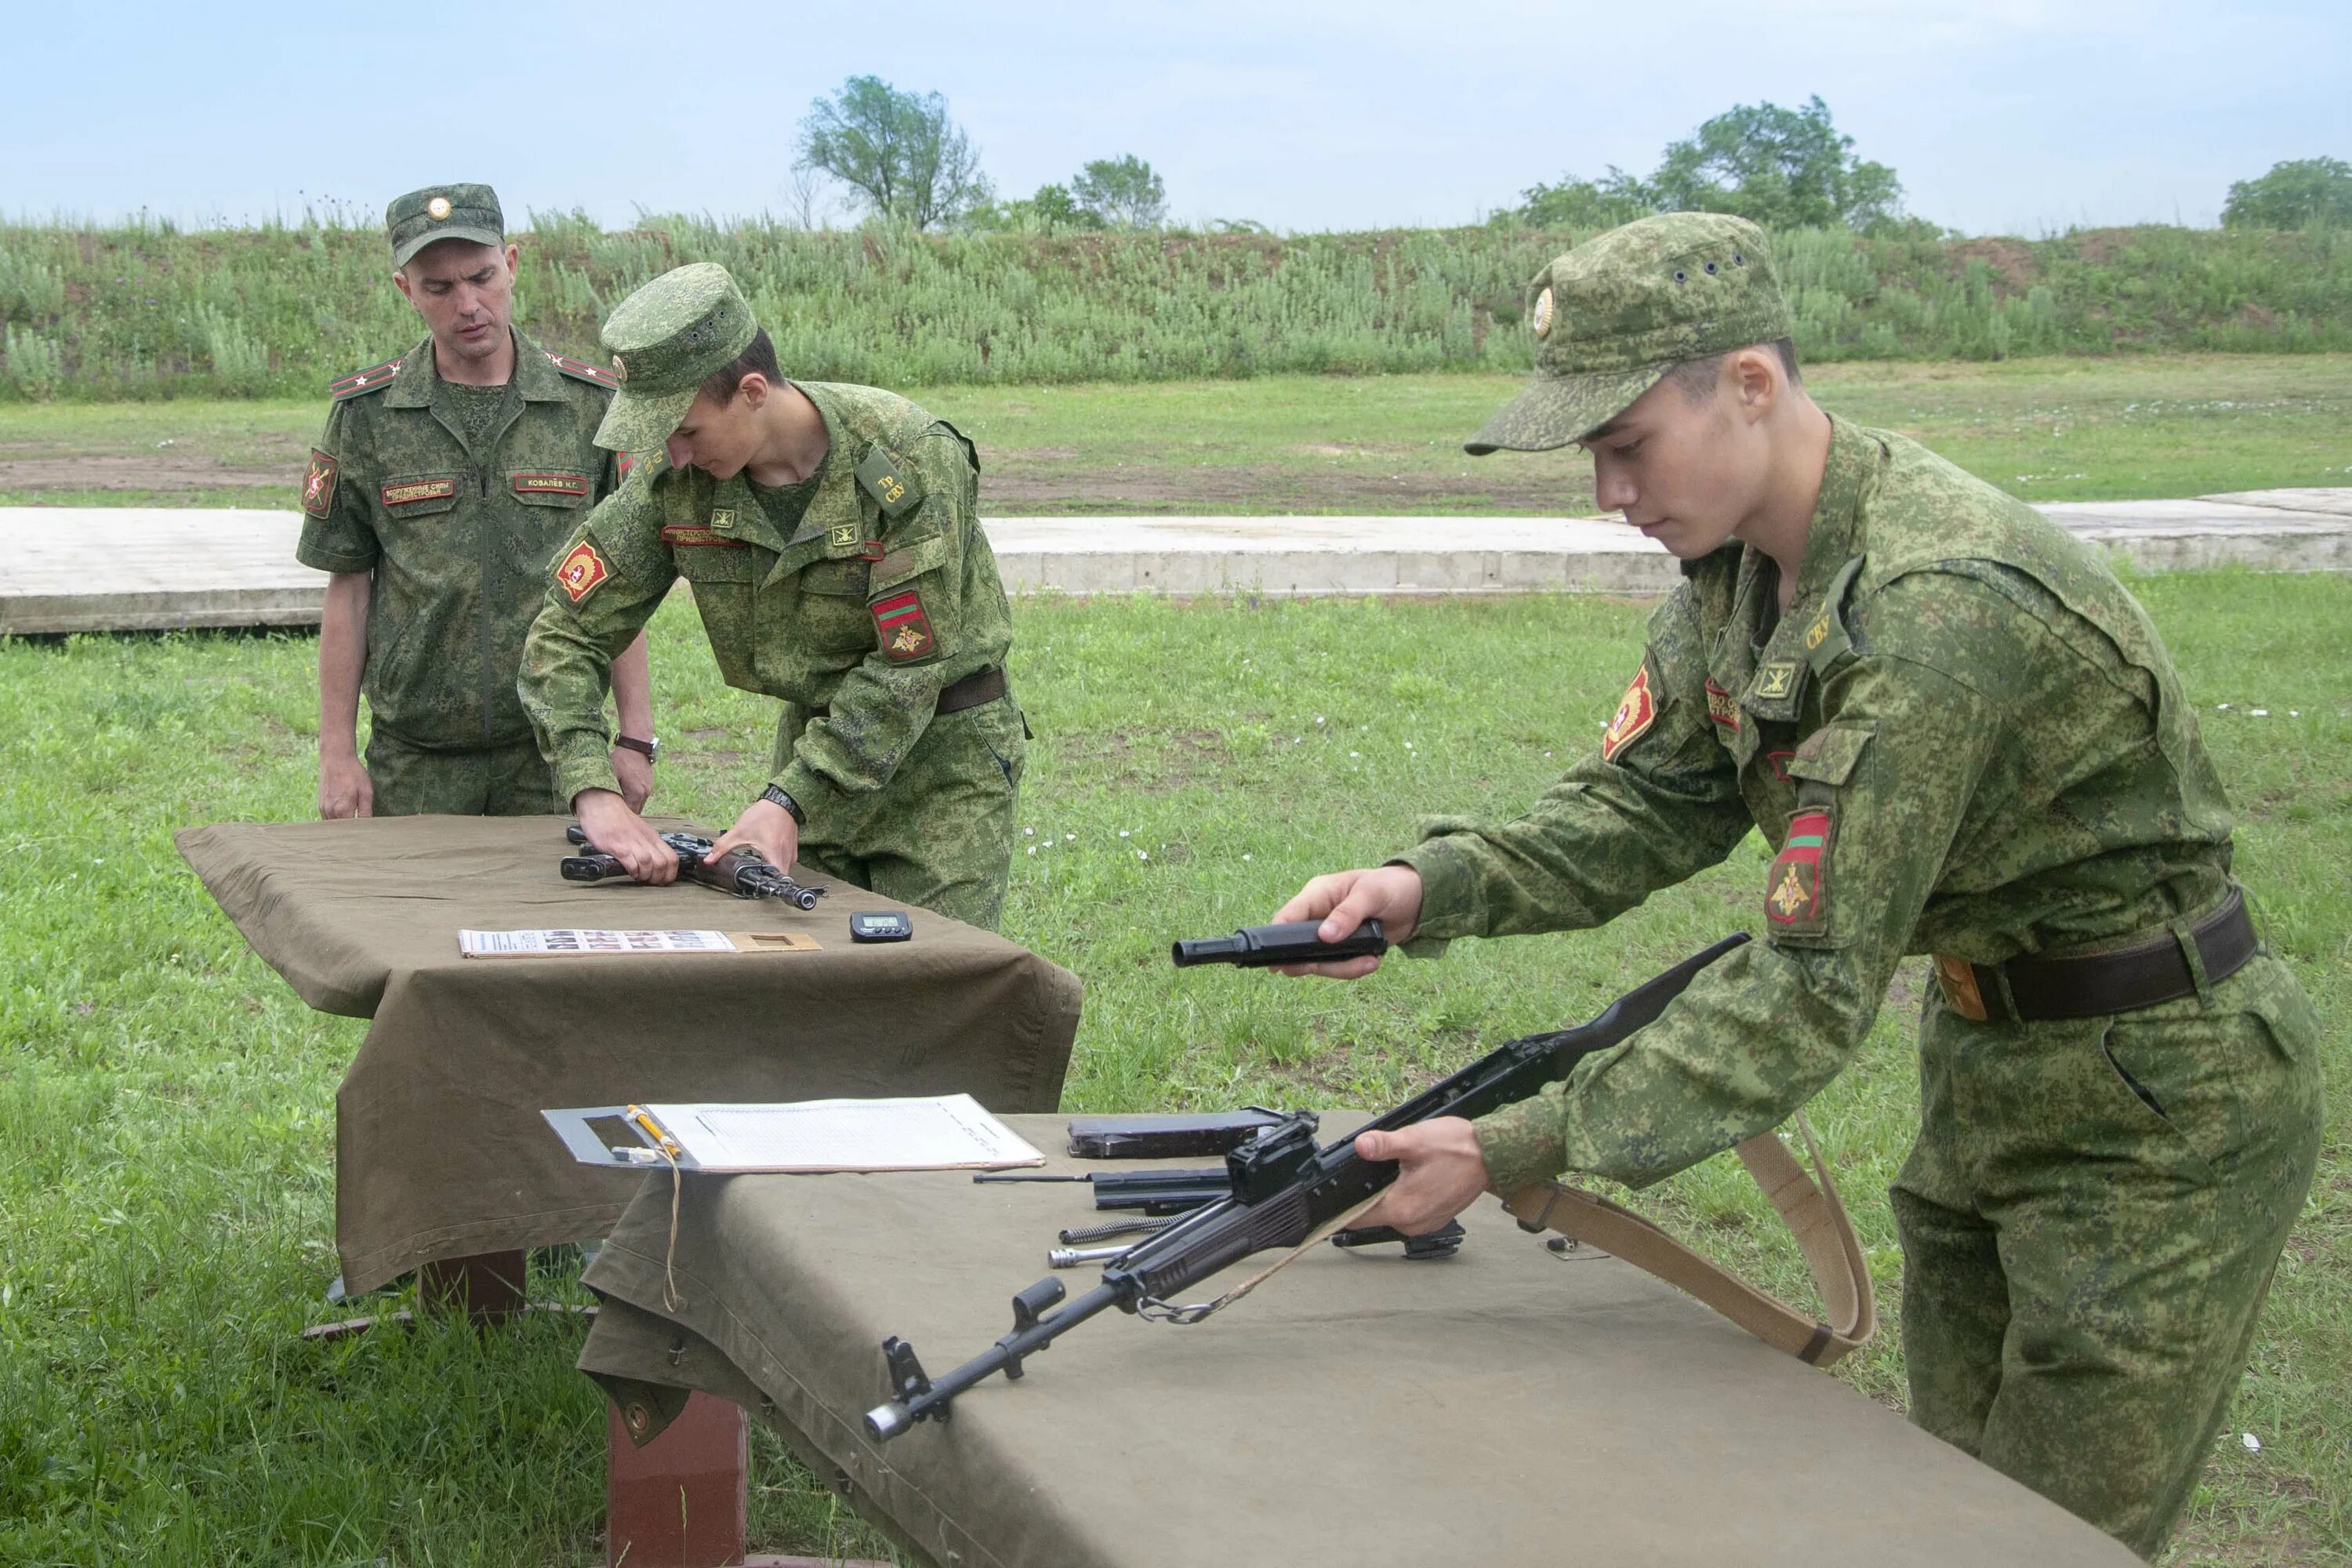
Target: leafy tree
(1616, 197)
(2299, 192)
(1053, 210)
(1784, 168)
(899, 150)
(1123, 193)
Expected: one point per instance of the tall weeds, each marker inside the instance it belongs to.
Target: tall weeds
(148, 310)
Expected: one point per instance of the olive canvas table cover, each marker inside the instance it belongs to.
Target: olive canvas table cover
(1505, 1407)
(439, 1148)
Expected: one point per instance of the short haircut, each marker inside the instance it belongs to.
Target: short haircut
(758, 356)
(1696, 377)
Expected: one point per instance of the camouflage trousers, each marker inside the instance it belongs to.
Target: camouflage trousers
(939, 834)
(497, 781)
(2090, 1221)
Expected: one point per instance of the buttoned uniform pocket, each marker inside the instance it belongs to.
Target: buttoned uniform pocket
(725, 582)
(831, 617)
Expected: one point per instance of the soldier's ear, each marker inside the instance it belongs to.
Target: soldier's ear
(399, 281)
(753, 390)
(1758, 376)
(513, 257)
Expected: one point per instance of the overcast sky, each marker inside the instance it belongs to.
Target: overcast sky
(2001, 116)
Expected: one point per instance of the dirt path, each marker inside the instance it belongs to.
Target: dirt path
(1014, 484)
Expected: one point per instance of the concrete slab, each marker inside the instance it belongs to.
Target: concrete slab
(105, 569)
(68, 569)
(2338, 501)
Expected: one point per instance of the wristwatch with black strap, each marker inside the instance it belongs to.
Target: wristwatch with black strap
(775, 796)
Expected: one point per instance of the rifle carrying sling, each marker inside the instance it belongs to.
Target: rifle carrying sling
(1814, 1216)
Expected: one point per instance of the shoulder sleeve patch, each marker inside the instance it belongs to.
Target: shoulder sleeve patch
(580, 369)
(902, 627)
(318, 484)
(375, 378)
(1635, 714)
(880, 477)
(582, 572)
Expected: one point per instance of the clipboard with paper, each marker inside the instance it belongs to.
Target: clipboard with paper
(934, 1133)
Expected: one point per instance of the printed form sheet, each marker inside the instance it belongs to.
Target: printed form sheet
(940, 1133)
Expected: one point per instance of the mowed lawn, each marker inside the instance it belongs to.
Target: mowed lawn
(2046, 429)
(166, 1105)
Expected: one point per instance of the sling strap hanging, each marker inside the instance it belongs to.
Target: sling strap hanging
(1814, 1216)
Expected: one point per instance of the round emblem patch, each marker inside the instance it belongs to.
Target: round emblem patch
(1542, 318)
(437, 208)
(620, 371)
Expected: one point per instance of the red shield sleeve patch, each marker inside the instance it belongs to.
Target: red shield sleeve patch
(318, 484)
(581, 571)
(1794, 887)
(1634, 716)
(902, 628)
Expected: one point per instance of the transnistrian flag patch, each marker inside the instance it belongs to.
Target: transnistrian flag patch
(1634, 716)
(318, 484)
(1792, 889)
(581, 571)
(904, 629)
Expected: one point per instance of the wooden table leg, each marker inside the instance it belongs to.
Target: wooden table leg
(683, 1500)
(487, 1286)
(680, 1501)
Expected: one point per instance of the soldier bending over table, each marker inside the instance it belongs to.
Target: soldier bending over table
(1960, 736)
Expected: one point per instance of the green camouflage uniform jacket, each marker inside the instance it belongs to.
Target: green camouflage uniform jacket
(1964, 737)
(885, 594)
(459, 548)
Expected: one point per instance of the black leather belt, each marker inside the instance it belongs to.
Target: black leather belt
(981, 686)
(2092, 985)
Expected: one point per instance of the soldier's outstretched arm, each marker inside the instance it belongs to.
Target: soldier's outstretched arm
(1657, 802)
(938, 613)
(1882, 788)
(604, 586)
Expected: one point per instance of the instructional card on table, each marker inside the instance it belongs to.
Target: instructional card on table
(946, 1132)
(569, 940)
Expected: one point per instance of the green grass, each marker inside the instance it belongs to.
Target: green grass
(166, 1105)
(149, 311)
(2047, 429)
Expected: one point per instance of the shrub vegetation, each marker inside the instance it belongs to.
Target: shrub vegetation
(149, 309)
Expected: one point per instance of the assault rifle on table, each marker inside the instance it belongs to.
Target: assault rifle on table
(1284, 1190)
(739, 871)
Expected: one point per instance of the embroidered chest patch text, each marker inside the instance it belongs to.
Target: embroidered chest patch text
(1721, 707)
(550, 484)
(581, 571)
(318, 484)
(689, 533)
(1794, 887)
(1634, 716)
(417, 490)
(902, 627)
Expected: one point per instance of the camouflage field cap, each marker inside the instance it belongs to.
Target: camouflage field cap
(443, 212)
(664, 339)
(1614, 314)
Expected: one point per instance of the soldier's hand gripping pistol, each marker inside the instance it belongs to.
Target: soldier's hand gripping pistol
(739, 871)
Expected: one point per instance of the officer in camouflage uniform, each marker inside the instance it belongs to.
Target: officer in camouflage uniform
(1960, 736)
(444, 486)
(832, 538)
